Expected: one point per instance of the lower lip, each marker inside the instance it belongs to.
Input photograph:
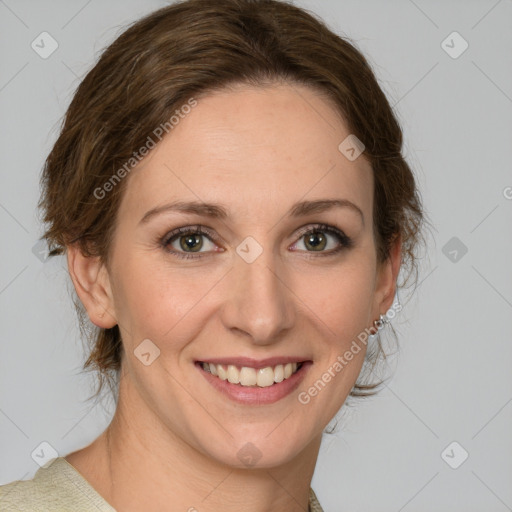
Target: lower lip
(256, 395)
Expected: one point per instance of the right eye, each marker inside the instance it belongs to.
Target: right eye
(184, 242)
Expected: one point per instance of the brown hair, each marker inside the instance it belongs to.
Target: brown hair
(188, 49)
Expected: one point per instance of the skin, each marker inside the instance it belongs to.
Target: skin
(174, 439)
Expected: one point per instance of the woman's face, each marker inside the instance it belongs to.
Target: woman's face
(272, 279)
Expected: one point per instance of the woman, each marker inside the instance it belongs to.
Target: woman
(229, 190)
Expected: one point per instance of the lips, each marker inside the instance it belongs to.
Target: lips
(254, 382)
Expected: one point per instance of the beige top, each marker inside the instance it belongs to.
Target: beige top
(60, 487)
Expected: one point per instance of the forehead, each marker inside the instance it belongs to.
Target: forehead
(259, 149)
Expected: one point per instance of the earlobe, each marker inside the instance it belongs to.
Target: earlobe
(92, 285)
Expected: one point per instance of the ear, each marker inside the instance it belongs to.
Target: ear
(387, 274)
(92, 284)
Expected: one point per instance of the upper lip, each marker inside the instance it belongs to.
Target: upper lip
(254, 363)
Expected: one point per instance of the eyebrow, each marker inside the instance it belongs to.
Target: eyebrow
(217, 211)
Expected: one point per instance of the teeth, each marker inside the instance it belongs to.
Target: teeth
(233, 374)
(265, 377)
(213, 370)
(279, 373)
(246, 376)
(221, 372)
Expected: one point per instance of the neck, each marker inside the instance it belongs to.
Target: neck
(149, 467)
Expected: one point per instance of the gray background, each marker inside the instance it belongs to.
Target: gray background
(453, 373)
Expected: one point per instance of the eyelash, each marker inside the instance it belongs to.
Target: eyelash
(345, 241)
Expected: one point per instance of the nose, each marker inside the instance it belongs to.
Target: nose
(260, 302)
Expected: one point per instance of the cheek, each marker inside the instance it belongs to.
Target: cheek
(157, 302)
(340, 306)
(342, 298)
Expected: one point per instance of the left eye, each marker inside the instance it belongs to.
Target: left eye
(317, 240)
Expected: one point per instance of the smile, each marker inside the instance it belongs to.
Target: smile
(255, 383)
(252, 377)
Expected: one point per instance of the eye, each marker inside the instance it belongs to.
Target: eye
(184, 242)
(318, 238)
(188, 242)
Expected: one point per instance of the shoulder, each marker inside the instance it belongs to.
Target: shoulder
(53, 488)
(314, 505)
(27, 495)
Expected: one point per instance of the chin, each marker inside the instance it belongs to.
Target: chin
(258, 450)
